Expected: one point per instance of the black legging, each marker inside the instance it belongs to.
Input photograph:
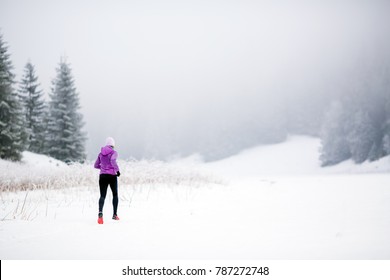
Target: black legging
(104, 181)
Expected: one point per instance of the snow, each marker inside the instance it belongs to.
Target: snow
(269, 202)
(299, 155)
(42, 161)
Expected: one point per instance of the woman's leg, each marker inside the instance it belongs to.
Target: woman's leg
(103, 184)
(114, 189)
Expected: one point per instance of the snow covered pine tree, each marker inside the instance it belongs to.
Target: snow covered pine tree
(66, 140)
(34, 110)
(11, 122)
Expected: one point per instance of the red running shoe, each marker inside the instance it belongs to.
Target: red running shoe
(115, 217)
(100, 219)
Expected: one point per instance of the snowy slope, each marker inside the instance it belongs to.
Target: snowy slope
(41, 161)
(34, 163)
(272, 202)
(299, 155)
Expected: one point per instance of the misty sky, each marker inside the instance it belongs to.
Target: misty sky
(150, 70)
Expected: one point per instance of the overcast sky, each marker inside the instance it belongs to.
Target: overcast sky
(153, 67)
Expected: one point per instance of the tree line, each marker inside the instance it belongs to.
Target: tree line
(30, 122)
(357, 124)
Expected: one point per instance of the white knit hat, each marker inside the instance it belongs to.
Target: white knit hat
(110, 141)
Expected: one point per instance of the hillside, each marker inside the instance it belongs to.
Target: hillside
(299, 155)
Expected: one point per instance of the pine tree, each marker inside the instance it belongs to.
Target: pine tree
(66, 140)
(335, 147)
(386, 105)
(377, 116)
(386, 124)
(34, 109)
(11, 123)
(368, 112)
(361, 136)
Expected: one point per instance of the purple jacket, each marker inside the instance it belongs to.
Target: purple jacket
(106, 161)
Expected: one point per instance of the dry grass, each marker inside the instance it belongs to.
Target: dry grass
(23, 177)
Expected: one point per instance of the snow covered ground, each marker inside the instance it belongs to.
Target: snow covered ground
(269, 202)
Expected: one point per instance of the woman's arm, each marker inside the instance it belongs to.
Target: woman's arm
(97, 162)
(113, 162)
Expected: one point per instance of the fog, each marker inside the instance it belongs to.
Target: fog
(173, 78)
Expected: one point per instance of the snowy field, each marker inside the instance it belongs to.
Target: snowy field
(269, 202)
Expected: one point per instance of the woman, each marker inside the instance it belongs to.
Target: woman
(109, 171)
